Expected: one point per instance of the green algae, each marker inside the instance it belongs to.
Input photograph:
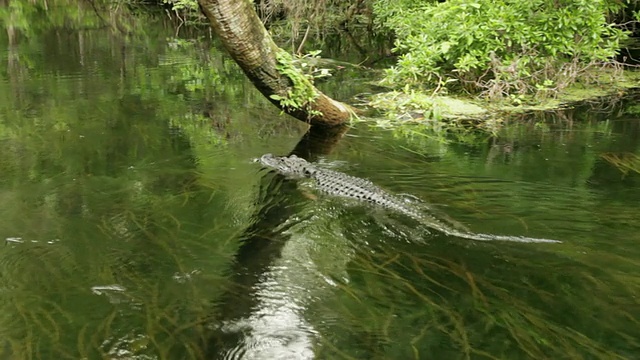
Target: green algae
(414, 106)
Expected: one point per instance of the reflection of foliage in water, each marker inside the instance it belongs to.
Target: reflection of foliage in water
(101, 165)
(122, 212)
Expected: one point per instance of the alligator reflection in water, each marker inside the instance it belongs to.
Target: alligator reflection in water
(343, 185)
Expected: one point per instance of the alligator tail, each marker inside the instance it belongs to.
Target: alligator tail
(490, 237)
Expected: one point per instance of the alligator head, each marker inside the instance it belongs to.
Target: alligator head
(291, 165)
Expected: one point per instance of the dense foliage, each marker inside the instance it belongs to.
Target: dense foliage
(501, 47)
(184, 10)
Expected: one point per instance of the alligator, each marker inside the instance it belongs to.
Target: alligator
(342, 185)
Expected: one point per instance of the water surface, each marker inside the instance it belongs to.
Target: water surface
(136, 225)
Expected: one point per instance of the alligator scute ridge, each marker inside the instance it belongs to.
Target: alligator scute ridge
(340, 184)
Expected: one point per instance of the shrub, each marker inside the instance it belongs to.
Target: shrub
(185, 10)
(501, 47)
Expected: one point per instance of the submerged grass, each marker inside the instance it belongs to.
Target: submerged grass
(626, 163)
(442, 300)
(441, 306)
(159, 309)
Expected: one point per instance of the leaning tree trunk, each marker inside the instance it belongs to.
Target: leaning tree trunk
(250, 45)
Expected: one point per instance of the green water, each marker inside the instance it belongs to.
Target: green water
(136, 225)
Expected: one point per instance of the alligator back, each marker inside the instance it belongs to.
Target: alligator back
(337, 183)
(340, 184)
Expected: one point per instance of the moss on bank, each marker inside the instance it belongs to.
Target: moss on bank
(413, 106)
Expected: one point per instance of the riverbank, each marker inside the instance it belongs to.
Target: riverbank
(408, 106)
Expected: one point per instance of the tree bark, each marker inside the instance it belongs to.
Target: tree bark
(245, 38)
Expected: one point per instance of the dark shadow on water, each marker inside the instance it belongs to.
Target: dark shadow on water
(262, 245)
